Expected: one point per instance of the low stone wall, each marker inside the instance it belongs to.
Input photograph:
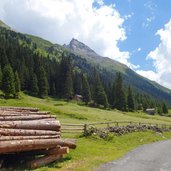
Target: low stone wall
(120, 130)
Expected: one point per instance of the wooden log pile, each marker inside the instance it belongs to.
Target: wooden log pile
(32, 135)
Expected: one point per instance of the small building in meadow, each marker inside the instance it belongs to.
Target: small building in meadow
(78, 97)
(151, 111)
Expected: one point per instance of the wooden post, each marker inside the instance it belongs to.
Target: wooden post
(85, 128)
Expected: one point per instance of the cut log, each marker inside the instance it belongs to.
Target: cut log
(26, 145)
(19, 108)
(71, 143)
(25, 132)
(43, 161)
(8, 138)
(25, 117)
(58, 150)
(34, 144)
(5, 113)
(35, 124)
(28, 134)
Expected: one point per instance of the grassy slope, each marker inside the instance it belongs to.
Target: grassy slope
(92, 151)
(74, 113)
(2, 24)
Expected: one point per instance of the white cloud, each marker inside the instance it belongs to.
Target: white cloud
(151, 7)
(148, 74)
(161, 58)
(100, 2)
(148, 21)
(100, 27)
(139, 49)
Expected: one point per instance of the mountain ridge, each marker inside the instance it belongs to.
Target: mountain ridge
(75, 44)
(2, 24)
(107, 67)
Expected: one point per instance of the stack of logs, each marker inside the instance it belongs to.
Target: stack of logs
(31, 133)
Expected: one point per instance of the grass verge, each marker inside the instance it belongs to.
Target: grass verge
(92, 151)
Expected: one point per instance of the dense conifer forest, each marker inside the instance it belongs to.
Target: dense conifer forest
(23, 67)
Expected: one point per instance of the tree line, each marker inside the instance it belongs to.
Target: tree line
(23, 69)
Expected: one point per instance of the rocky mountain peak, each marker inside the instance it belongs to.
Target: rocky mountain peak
(80, 47)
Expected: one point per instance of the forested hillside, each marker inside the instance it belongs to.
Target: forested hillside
(41, 68)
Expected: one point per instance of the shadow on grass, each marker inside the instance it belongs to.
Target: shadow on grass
(59, 162)
(19, 163)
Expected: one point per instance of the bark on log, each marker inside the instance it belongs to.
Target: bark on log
(26, 145)
(25, 132)
(5, 113)
(57, 150)
(71, 143)
(25, 117)
(43, 161)
(35, 124)
(8, 138)
(34, 144)
(19, 108)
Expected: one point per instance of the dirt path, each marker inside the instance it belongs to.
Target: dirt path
(150, 157)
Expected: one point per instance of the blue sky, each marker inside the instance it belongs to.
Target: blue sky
(134, 32)
(140, 30)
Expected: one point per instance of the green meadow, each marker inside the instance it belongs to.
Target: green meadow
(92, 151)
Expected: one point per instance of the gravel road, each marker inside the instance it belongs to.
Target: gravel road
(150, 157)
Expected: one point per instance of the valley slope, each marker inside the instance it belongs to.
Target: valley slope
(85, 59)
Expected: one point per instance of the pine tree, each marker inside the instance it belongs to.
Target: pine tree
(85, 90)
(8, 86)
(62, 75)
(130, 100)
(42, 82)
(120, 99)
(164, 108)
(34, 89)
(144, 104)
(77, 83)
(53, 89)
(68, 86)
(113, 95)
(99, 94)
(0, 78)
(17, 84)
(159, 109)
(3, 57)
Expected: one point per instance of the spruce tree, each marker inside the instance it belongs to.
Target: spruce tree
(130, 100)
(77, 83)
(53, 89)
(0, 78)
(34, 84)
(99, 94)
(8, 86)
(144, 105)
(120, 99)
(63, 69)
(42, 82)
(85, 90)
(159, 109)
(68, 86)
(113, 95)
(164, 108)
(17, 84)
